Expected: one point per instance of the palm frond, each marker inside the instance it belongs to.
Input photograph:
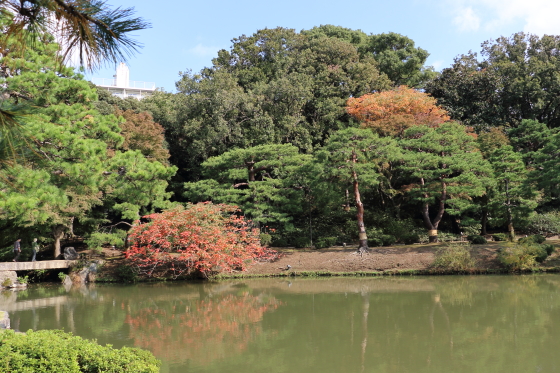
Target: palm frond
(91, 29)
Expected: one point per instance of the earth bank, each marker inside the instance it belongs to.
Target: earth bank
(405, 259)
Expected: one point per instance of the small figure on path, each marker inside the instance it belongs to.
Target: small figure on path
(17, 249)
(34, 249)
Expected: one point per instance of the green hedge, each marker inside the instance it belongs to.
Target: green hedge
(500, 237)
(325, 242)
(536, 238)
(476, 239)
(48, 351)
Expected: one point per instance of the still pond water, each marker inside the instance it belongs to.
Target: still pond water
(337, 325)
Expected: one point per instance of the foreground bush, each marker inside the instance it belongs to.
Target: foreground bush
(49, 351)
(477, 239)
(325, 242)
(547, 224)
(454, 257)
(200, 240)
(501, 237)
(536, 238)
(524, 255)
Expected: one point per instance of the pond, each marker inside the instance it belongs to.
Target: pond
(397, 324)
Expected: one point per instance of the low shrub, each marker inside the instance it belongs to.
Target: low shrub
(99, 239)
(280, 242)
(454, 257)
(375, 242)
(127, 273)
(475, 239)
(472, 229)
(388, 239)
(547, 224)
(411, 238)
(199, 240)
(265, 238)
(536, 238)
(424, 238)
(540, 253)
(549, 248)
(324, 242)
(302, 242)
(522, 257)
(526, 253)
(399, 228)
(500, 237)
(56, 351)
(447, 237)
(23, 280)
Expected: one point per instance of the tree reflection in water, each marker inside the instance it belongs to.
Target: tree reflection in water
(429, 324)
(200, 330)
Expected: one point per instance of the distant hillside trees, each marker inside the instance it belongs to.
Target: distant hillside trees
(279, 86)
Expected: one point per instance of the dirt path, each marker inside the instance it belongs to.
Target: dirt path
(398, 257)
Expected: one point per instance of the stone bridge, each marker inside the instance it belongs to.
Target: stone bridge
(30, 266)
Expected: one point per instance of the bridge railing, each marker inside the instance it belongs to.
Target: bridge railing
(30, 266)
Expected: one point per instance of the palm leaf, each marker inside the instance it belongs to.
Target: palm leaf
(89, 29)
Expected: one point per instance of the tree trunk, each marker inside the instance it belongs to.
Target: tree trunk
(511, 230)
(362, 235)
(58, 233)
(433, 226)
(71, 227)
(484, 221)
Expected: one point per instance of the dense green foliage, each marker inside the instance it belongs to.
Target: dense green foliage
(269, 127)
(73, 174)
(55, 351)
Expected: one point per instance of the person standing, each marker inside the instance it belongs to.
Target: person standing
(34, 249)
(17, 249)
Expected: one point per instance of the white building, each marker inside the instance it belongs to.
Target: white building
(121, 85)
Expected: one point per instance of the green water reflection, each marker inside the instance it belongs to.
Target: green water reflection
(426, 324)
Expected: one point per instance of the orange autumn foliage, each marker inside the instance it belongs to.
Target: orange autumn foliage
(390, 113)
(201, 239)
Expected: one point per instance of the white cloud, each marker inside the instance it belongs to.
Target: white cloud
(536, 16)
(204, 51)
(466, 19)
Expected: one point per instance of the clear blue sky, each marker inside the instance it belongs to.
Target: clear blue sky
(188, 34)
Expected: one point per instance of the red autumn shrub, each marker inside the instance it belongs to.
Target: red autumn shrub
(202, 239)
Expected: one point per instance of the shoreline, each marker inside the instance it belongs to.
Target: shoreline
(396, 260)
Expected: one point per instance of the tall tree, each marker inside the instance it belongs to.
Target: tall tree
(354, 157)
(513, 198)
(273, 87)
(74, 162)
(396, 54)
(257, 179)
(400, 59)
(89, 29)
(518, 78)
(445, 169)
(545, 169)
(529, 138)
(140, 132)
